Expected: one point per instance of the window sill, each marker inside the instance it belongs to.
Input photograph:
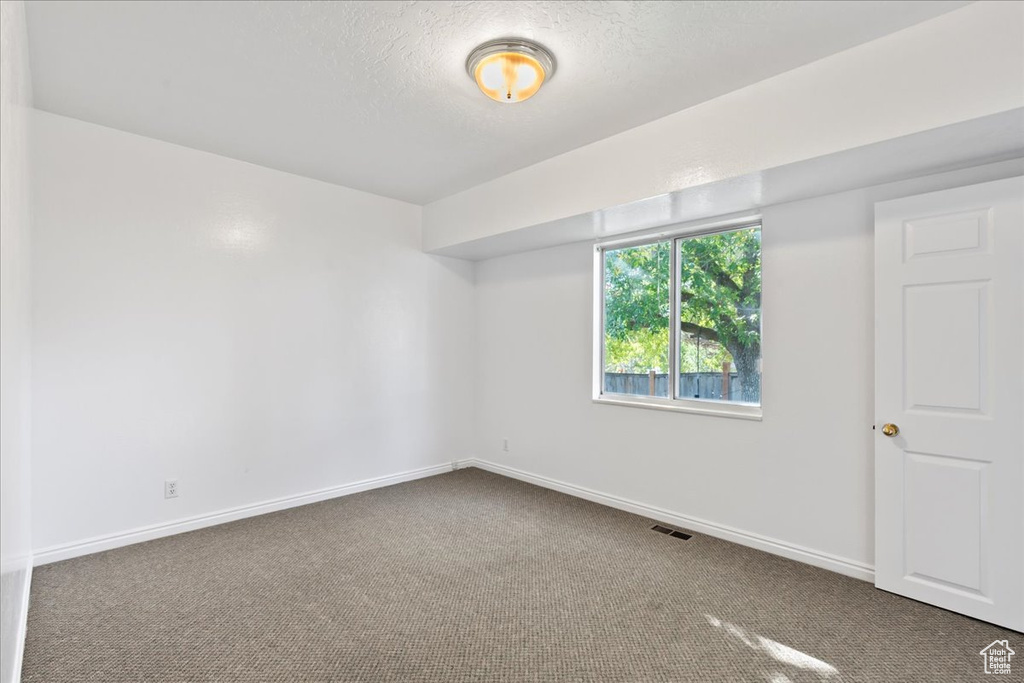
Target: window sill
(710, 408)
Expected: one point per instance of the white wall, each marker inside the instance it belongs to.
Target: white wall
(802, 476)
(252, 333)
(259, 335)
(15, 539)
(959, 66)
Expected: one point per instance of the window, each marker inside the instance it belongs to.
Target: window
(680, 322)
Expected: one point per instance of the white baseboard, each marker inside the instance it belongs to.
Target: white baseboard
(56, 553)
(841, 565)
(19, 643)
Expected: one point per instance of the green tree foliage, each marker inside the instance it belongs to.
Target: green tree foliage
(720, 298)
(720, 306)
(637, 286)
(637, 351)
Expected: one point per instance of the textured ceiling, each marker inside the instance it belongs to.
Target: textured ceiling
(374, 96)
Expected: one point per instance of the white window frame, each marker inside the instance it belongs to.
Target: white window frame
(716, 408)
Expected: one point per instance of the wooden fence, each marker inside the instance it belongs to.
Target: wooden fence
(711, 385)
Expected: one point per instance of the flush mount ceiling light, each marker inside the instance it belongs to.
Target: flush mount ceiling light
(510, 69)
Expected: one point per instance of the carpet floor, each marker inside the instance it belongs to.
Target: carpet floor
(470, 576)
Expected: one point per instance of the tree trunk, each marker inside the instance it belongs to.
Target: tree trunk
(746, 368)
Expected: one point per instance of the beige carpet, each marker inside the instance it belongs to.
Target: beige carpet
(470, 576)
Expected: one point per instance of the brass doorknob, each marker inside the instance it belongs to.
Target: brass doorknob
(889, 429)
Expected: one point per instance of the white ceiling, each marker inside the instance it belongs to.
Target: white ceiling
(374, 95)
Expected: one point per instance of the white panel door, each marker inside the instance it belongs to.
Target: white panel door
(949, 374)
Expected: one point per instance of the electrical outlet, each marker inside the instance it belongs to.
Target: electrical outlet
(504, 445)
(171, 488)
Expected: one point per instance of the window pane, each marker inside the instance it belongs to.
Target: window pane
(636, 309)
(720, 316)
